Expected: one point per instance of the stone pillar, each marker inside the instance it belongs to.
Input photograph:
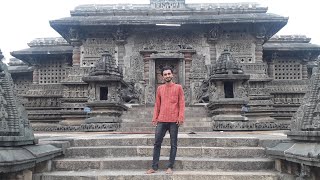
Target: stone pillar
(35, 75)
(213, 52)
(187, 61)
(258, 50)
(121, 53)
(146, 59)
(304, 70)
(76, 53)
(271, 69)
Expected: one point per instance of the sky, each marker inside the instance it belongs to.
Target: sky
(22, 21)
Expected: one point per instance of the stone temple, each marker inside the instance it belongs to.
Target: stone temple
(109, 57)
(101, 76)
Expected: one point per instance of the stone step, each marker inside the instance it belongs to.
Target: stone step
(151, 129)
(148, 112)
(148, 124)
(148, 120)
(160, 175)
(146, 151)
(181, 163)
(184, 140)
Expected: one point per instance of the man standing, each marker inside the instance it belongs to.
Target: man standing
(168, 115)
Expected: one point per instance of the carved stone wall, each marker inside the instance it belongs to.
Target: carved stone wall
(240, 45)
(166, 43)
(92, 49)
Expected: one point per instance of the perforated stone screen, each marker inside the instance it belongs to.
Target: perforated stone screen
(287, 70)
(51, 73)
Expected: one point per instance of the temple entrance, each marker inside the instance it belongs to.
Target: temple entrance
(160, 63)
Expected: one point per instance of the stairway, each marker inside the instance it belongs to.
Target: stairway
(128, 156)
(138, 120)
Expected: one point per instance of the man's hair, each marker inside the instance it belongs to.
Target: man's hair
(166, 68)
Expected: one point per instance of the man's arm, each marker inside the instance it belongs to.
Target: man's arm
(181, 106)
(156, 108)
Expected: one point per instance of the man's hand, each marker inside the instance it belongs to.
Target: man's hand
(154, 123)
(179, 123)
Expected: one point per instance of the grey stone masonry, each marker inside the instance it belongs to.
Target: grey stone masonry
(18, 150)
(302, 153)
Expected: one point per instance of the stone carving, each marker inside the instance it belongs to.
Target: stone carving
(198, 67)
(214, 33)
(134, 73)
(203, 94)
(150, 94)
(120, 35)
(187, 94)
(74, 34)
(131, 94)
(243, 90)
(93, 48)
(242, 51)
(168, 40)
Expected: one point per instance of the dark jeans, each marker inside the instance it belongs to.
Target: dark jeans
(161, 130)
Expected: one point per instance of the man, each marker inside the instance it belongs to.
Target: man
(168, 116)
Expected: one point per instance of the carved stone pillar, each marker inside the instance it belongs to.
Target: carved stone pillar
(270, 69)
(76, 53)
(35, 75)
(121, 53)
(146, 59)
(258, 50)
(213, 52)
(187, 61)
(304, 70)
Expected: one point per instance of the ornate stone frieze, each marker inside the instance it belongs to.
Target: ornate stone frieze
(242, 51)
(43, 102)
(198, 67)
(168, 40)
(83, 127)
(93, 48)
(218, 125)
(242, 91)
(74, 74)
(76, 91)
(134, 73)
(49, 90)
(285, 98)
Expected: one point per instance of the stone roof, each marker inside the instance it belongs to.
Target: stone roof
(88, 18)
(20, 69)
(290, 43)
(48, 41)
(151, 9)
(44, 46)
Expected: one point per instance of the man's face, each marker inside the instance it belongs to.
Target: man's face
(167, 75)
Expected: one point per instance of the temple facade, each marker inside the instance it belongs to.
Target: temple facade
(224, 55)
